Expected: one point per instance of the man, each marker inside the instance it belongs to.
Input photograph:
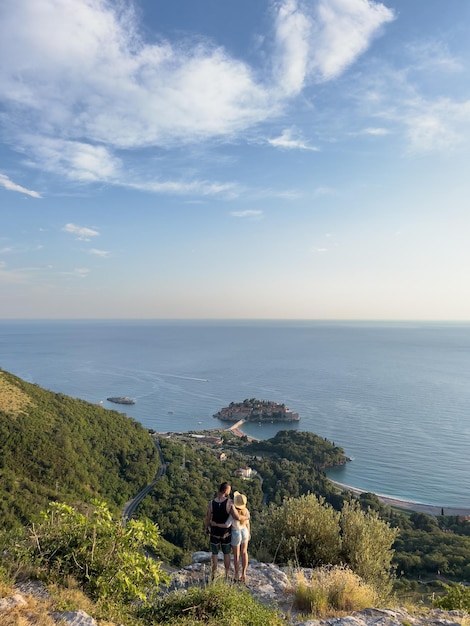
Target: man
(218, 526)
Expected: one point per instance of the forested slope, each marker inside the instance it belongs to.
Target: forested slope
(53, 447)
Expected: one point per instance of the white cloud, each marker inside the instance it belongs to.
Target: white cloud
(437, 125)
(433, 55)
(290, 141)
(179, 187)
(83, 233)
(293, 39)
(376, 131)
(96, 252)
(344, 29)
(251, 213)
(10, 277)
(80, 83)
(79, 272)
(324, 191)
(11, 186)
(75, 160)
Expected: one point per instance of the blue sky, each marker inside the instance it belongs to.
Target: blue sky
(304, 159)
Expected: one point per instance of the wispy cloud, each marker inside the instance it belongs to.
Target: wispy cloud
(96, 252)
(11, 186)
(248, 213)
(11, 277)
(79, 272)
(433, 55)
(82, 232)
(290, 140)
(378, 132)
(181, 187)
(437, 125)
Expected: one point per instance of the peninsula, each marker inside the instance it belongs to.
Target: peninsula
(254, 410)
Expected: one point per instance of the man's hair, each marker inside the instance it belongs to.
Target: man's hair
(223, 487)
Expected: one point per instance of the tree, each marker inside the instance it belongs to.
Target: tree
(303, 530)
(367, 545)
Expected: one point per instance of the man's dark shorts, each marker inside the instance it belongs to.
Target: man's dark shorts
(221, 543)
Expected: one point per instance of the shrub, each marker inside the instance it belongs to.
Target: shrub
(333, 589)
(216, 604)
(105, 557)
(456, 598)
(304, 531)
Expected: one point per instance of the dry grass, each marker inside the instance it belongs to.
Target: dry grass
(12, 400)
(34, 612)
(332, 591)
(37, 611)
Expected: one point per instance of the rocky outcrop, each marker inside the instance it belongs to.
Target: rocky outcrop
(268, 583)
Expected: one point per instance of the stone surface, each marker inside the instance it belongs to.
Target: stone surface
(268, 583)
(74, 618)
(8, 603)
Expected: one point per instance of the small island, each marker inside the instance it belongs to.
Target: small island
(254, 410)
(121, 400)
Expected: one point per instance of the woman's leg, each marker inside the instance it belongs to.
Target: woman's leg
(236, 560)
(244, 556)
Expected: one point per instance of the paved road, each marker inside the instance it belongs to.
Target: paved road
(130, 507)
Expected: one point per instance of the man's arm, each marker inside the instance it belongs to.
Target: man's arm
(207, 522)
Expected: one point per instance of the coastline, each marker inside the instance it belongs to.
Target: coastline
(429, 509)
(407, 505)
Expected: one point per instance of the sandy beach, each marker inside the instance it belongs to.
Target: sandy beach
(411, 506)
(395, 502)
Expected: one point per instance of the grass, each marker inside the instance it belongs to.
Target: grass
(13, 399)
(332, 591)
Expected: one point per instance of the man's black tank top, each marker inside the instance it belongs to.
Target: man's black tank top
(219, 511)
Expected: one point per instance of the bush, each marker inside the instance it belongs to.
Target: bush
(217, 604)
(456, 598)
(107, 559)
(308, 532)
(333, 589)
(304, 531)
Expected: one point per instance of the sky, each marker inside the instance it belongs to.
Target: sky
(221, 159)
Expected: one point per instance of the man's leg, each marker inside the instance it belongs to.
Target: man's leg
(215, 558)
(227, 564)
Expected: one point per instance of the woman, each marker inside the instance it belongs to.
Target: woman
(240, 536)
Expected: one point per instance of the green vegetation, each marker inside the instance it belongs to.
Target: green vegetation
(89, 560)
(108, 560)
(53, 447)
(456, 598)
(59, 454)
(217, 604)
(308, 532)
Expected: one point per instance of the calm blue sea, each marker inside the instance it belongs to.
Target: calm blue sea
(395, 396)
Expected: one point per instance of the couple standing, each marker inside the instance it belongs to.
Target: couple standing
(228, 524)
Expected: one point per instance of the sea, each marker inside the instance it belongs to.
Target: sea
(394, 396)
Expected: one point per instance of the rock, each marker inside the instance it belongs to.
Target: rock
(11, 601)
(74, 618)
(388, 617)
(268, 583)
(201, 557)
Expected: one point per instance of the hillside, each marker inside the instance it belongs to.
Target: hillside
(53, 447)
